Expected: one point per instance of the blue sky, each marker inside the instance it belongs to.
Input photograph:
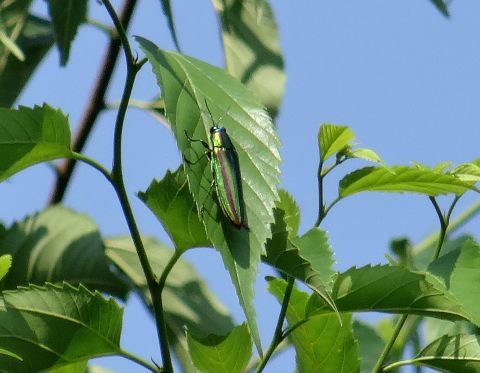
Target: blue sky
(401, 75)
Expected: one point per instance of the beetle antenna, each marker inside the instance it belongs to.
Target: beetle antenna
(211, 115)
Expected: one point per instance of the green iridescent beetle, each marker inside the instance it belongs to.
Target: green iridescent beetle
(225, 168)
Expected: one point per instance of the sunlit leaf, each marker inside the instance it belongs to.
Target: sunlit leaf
(401, 179)
(332, 139)
(5, 264)
(221, 353)
(187, 85)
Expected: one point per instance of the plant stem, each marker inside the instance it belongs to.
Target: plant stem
(444, 220)
(468, 214)
(95, 106)
(139, 361)
(381, 360)
(321, 206)
(119, 185)
(278, 335)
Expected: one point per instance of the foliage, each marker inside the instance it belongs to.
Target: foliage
(58, 273)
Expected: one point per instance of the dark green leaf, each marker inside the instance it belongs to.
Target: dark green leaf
(67, 16)
(30, 136)
(227, 353)
(187, 84)
(171, 202)
(370, 345)
(53, 325)
(35, 41)
(460, 270)
(58, 245)
(401, 179)
(459, 353)
(252, 50)
(308, 258)
(441, 6)
(322, 341)
(187, 300)
(167, 10)
(394, 290)
(332, 139)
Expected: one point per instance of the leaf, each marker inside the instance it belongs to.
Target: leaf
(460, 271)
(35, 40)
(391, 289)
(228, 353)
(171, 202)
(322, 341)
(67, 16)
(5, 264)
(31, 318)
(459, 353)
(332, 139)
(167, 10)
(13, 15)
(308, 258)
(30, 136)
(442, 7)
(469, 172)
(252, 49)
(401, 179)
(187, 300)
(58, 245)
(370, 345)
(78, 367)
(365, 154)
(186, 85)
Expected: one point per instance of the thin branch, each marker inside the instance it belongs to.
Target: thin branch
(96, 104)
(278, 335)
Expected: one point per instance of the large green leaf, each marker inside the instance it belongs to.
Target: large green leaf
(187, 84)
(58, 245)
(252, 50)
(392, 289)
(308, 258)
(332, 139)
(67, 16)
(322, 341)
(460, 270)
(221, 353)
(53, 325)
(187, 300)
(402, 179)
(35, 40)
(459, 353)
(29, 136)
(171, 202)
